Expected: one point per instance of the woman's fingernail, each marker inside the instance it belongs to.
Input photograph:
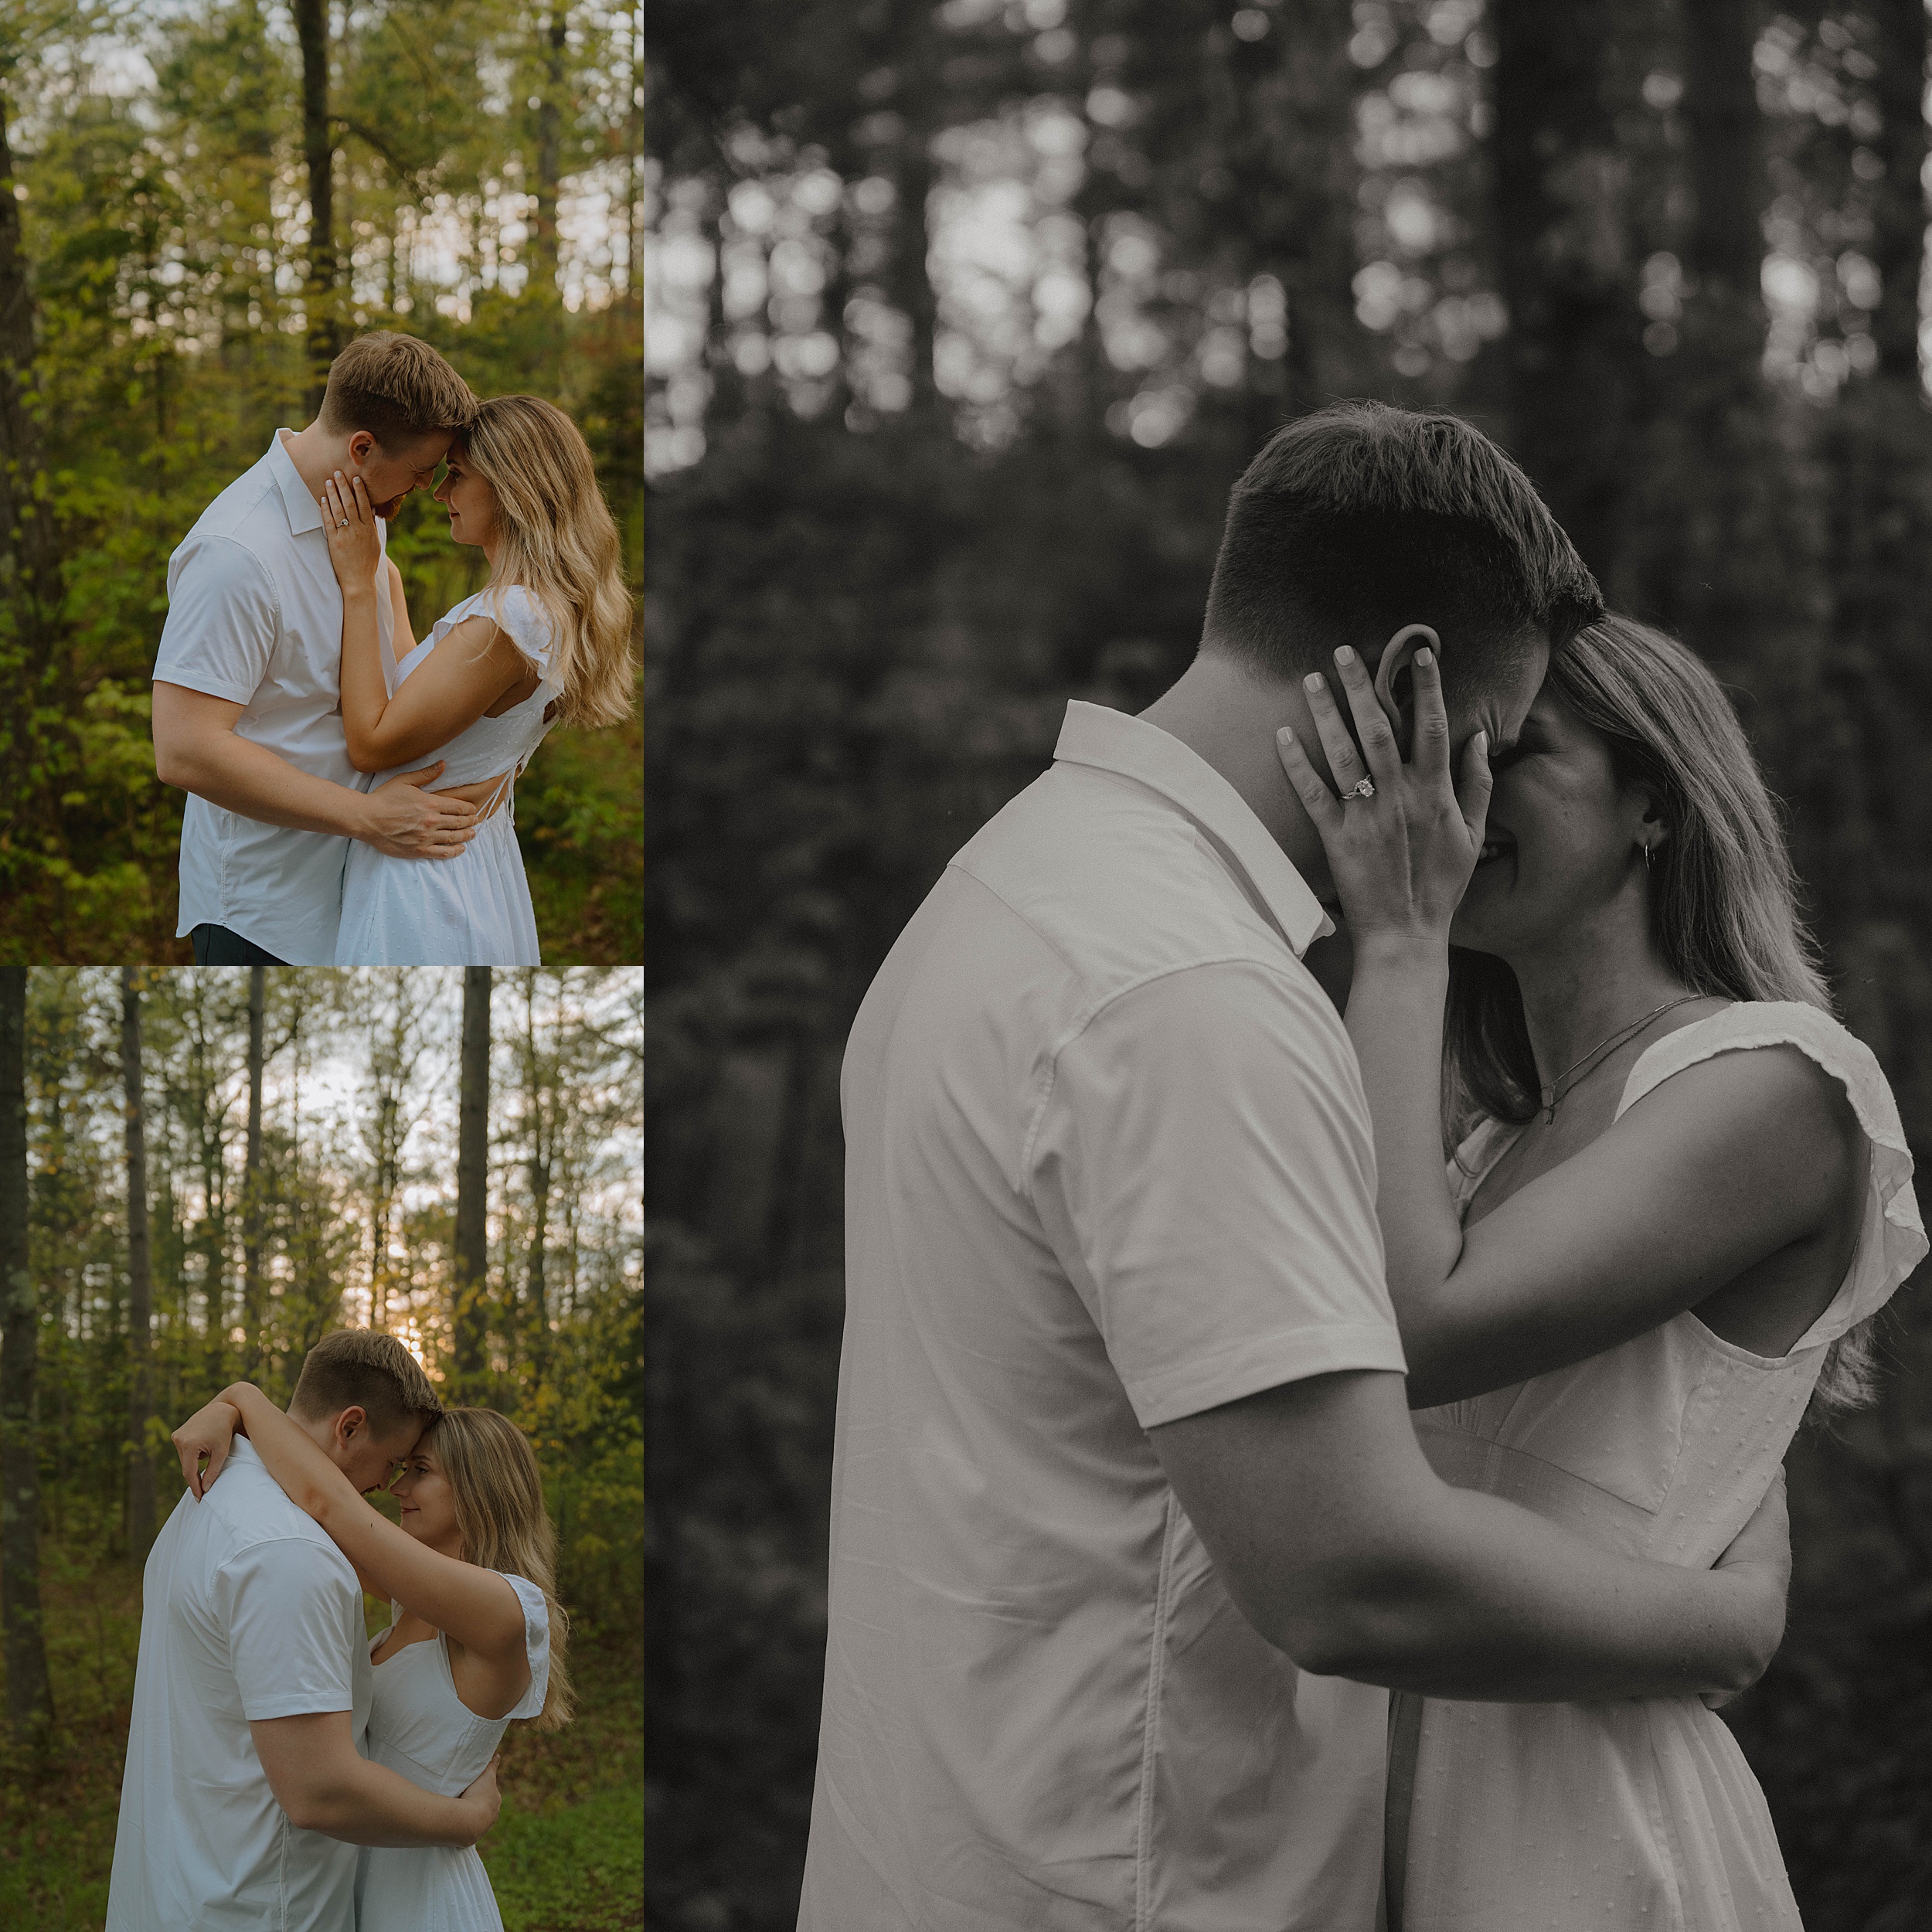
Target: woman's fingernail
(1425, 655)
(1313, 681)
(1344, 655)
(1482, 742)
(1286, 735)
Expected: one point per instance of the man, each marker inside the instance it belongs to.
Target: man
(247, 709)
(246, 1794)
(1124, 1457)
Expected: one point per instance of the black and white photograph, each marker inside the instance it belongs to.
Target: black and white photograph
(1288, 879)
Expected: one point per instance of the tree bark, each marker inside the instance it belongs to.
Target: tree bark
(252, 1181)
(29, 1696)
(1575, 348)
(141, 1286)
(472, 1179)
(318, 156)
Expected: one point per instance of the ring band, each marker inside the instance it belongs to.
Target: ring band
(341, 523)
(1363, 788)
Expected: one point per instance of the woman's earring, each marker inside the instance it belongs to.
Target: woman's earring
(1647, 859)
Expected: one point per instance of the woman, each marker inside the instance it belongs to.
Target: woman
(1685, 1193)
(476, 1638)
(546, 639)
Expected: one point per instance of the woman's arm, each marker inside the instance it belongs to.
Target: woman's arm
(475, 1606)
(466, 672)
(1712, 1173)
(1401, 861)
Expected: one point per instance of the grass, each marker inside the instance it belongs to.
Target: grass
(566, 1856)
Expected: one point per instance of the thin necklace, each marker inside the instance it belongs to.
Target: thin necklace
(1556, 1092)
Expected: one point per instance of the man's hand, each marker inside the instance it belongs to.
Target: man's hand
(483, 1799)
(402, 819)
(1761, 1554)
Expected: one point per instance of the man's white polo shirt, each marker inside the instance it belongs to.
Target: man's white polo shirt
(255, 616)
(1108, 1163)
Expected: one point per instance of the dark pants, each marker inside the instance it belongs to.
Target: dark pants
(216, 946)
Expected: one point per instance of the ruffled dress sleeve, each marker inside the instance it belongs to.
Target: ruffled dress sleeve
(536, 1638)
(1892, 1239)
(526, 620)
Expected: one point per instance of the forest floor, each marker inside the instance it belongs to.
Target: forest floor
(566, 1856)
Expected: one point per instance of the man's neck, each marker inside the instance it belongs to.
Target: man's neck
(1227, 715)
(316, 454)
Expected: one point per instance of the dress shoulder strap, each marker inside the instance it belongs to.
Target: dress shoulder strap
(1892, 1241)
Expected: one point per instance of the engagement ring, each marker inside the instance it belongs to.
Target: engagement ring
(1363, 788)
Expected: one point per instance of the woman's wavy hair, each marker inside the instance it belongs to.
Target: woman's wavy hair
(1723, 892)
(558, 539)
(498, 1494)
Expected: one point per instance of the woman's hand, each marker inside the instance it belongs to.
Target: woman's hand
(208, 1432)
(1401, 859)
(354, 548)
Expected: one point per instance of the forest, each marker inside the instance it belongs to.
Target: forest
(202, 1172)
(200, 202)
(963, 320)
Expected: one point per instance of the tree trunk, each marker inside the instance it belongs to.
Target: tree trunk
(472, 1179)
(318, 155)
(141, 1286)
(1575, 348)
(29, 1697)
(28, 591)
(540, 1109)
(1898, 218)
(252, 1182)
(1304, 116)
(549, 152)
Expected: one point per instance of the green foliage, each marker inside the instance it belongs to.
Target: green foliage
(166, 249)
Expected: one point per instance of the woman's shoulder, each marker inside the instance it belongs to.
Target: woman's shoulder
(521, 612)
(536, 1606)
(1821, 1050)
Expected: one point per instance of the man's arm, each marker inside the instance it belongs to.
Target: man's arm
(1343, 1547)
(198, 750)
(326, 1785)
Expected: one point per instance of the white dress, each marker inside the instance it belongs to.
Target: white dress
(472, 911)
(419, 1727)
(1640, 1813)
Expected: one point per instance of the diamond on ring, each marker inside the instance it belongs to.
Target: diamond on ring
(1363, 788)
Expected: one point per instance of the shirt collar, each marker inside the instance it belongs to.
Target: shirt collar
(1112, 741)
(305, 513)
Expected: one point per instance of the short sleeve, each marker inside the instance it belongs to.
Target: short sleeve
(1892, 1239)
(1205, 1168)
(526, 620)
(293, 1618)
(536, 1640)
(222, 621)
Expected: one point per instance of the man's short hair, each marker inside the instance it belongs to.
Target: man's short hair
(397, 388)
(357, 1367)
(1361, 518)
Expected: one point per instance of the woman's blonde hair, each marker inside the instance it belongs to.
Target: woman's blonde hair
(558, 539)
(499, 1510)
(1723, 892)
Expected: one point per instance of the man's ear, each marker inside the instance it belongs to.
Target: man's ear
(1395, 678)
(360, 444)
(349, 1423)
